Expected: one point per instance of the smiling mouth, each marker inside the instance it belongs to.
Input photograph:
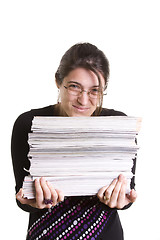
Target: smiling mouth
(80, 109)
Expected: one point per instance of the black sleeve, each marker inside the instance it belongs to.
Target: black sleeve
(19, 151)
(133, 178)
(112, 112)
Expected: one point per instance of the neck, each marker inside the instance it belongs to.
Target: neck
(60, 111)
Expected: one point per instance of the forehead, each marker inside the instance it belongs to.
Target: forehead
(84, 77)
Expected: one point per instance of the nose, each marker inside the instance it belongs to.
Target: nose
(83, 98)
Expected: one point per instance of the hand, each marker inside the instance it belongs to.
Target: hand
(115, 195)
(44, 190)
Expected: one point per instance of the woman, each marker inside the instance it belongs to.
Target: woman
(81, 79)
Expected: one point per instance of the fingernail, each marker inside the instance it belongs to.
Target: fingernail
(37, 180)
(48, 183)
(121, 177)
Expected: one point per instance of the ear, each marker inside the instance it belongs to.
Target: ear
(57, 83)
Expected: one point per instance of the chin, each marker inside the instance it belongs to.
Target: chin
(73, 114)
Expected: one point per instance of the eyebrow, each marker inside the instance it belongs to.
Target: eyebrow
(80, 84)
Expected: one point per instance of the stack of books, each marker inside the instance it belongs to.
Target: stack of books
(79, 155)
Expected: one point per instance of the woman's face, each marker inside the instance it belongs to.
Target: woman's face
(83, 104)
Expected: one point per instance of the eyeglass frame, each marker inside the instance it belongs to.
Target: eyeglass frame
(88, 92)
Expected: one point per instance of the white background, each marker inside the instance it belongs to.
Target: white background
(34, 36)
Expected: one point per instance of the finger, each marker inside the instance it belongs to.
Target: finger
(60, 195)
(122, 195)
(45, 188)
(100, 193)
(109, 190)
(46, 191)
(54, 194)
(105, 192)
(39, 194)
(115, 192)
(19, 195)
(22, 200)
(133, 196)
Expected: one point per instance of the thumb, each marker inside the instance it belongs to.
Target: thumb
(19, 195)
(132, 196)
(21, 199)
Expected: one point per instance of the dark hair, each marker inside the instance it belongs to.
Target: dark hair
(83, 55)
(87, 56)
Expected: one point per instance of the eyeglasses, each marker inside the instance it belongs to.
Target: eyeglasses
(76, 90)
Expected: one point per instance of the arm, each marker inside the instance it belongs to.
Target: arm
(19, 151)
(115, 194)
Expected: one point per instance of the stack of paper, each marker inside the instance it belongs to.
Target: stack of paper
(79, 155)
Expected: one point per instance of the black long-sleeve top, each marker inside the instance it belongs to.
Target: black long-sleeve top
(87, 217)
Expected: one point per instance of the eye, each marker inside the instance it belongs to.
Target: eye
(74, 86)
(94, 91)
